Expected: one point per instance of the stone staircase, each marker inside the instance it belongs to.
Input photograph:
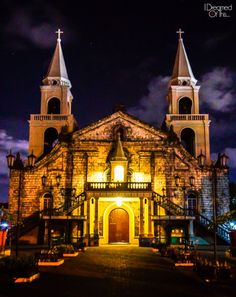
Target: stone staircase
(176, 210)
(26, 225)
(29, 223)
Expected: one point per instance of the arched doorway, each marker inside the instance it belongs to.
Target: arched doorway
(118, 225)
(192, 204)
(46, 203)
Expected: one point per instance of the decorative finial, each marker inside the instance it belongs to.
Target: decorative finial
(59, 32)
(180, 32)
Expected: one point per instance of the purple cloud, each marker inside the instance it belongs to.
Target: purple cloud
(217, 94)
(152, 107)
(22, 24)
(7, 142)
(218, 89)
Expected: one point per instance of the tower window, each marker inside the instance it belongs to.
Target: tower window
(119, 173)
(54, 106)
(50, 135)
(188, 140)
(185, 105)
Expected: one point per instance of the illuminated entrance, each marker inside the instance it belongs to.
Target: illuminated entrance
(118, 226)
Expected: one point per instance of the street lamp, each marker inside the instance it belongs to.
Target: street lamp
(184, 188)
(15, 163)
(220, 163)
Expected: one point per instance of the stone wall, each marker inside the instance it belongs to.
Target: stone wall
(151, 158)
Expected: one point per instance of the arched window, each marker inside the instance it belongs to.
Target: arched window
(54, 106)
(47, 200)
(185, 105)
(50, 135)
(188, 140)
(119, 173)
(192, 203)
(119, 130)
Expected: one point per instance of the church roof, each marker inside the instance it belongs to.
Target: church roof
(100, 129)
(57, 68)
(182, 68)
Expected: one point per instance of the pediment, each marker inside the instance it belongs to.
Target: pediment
(104, 129)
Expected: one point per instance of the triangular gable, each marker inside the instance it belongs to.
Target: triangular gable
(134, 129)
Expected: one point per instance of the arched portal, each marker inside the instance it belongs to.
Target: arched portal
(50, 135)
(188, 140)
(185, 105)
(54, 106)
(118, 225)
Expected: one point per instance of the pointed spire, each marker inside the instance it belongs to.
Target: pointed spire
(182, 72)
(119, 154)
(57, 73)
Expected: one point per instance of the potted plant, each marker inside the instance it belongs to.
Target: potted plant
(67, 250)
(50, 257)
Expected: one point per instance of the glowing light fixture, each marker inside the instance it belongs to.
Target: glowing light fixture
(119, 173)
(4, 225)
(119, 201)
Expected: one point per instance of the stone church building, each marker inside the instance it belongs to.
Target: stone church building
(118, 180)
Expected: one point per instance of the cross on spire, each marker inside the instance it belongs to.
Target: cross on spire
(59, 32)
(180, 32)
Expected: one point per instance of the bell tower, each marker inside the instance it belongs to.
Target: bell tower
(184, 116)
(56, 101)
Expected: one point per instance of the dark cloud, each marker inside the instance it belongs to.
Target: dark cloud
(218, 89)
(217, 97)
(34, 24)
(7, 143)
(152, 107)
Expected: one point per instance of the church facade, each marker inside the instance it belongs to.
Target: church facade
(118, 180)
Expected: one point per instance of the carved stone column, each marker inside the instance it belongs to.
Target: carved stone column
(87, 235)
(141, 231)
(150, 223)
(96, 217)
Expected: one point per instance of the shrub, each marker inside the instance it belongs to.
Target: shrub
(65, 248)
(20, 267)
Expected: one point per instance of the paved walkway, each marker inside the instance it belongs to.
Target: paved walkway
(117, 271)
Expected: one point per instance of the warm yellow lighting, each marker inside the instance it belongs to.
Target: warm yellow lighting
(97, 176)
(119, 173)
(138, 177)
(119, 201)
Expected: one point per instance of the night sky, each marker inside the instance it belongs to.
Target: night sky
(115, 54)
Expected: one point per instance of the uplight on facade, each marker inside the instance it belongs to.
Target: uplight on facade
(119, 201)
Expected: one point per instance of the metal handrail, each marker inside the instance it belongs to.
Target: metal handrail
(64, 209)
(169, 205)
